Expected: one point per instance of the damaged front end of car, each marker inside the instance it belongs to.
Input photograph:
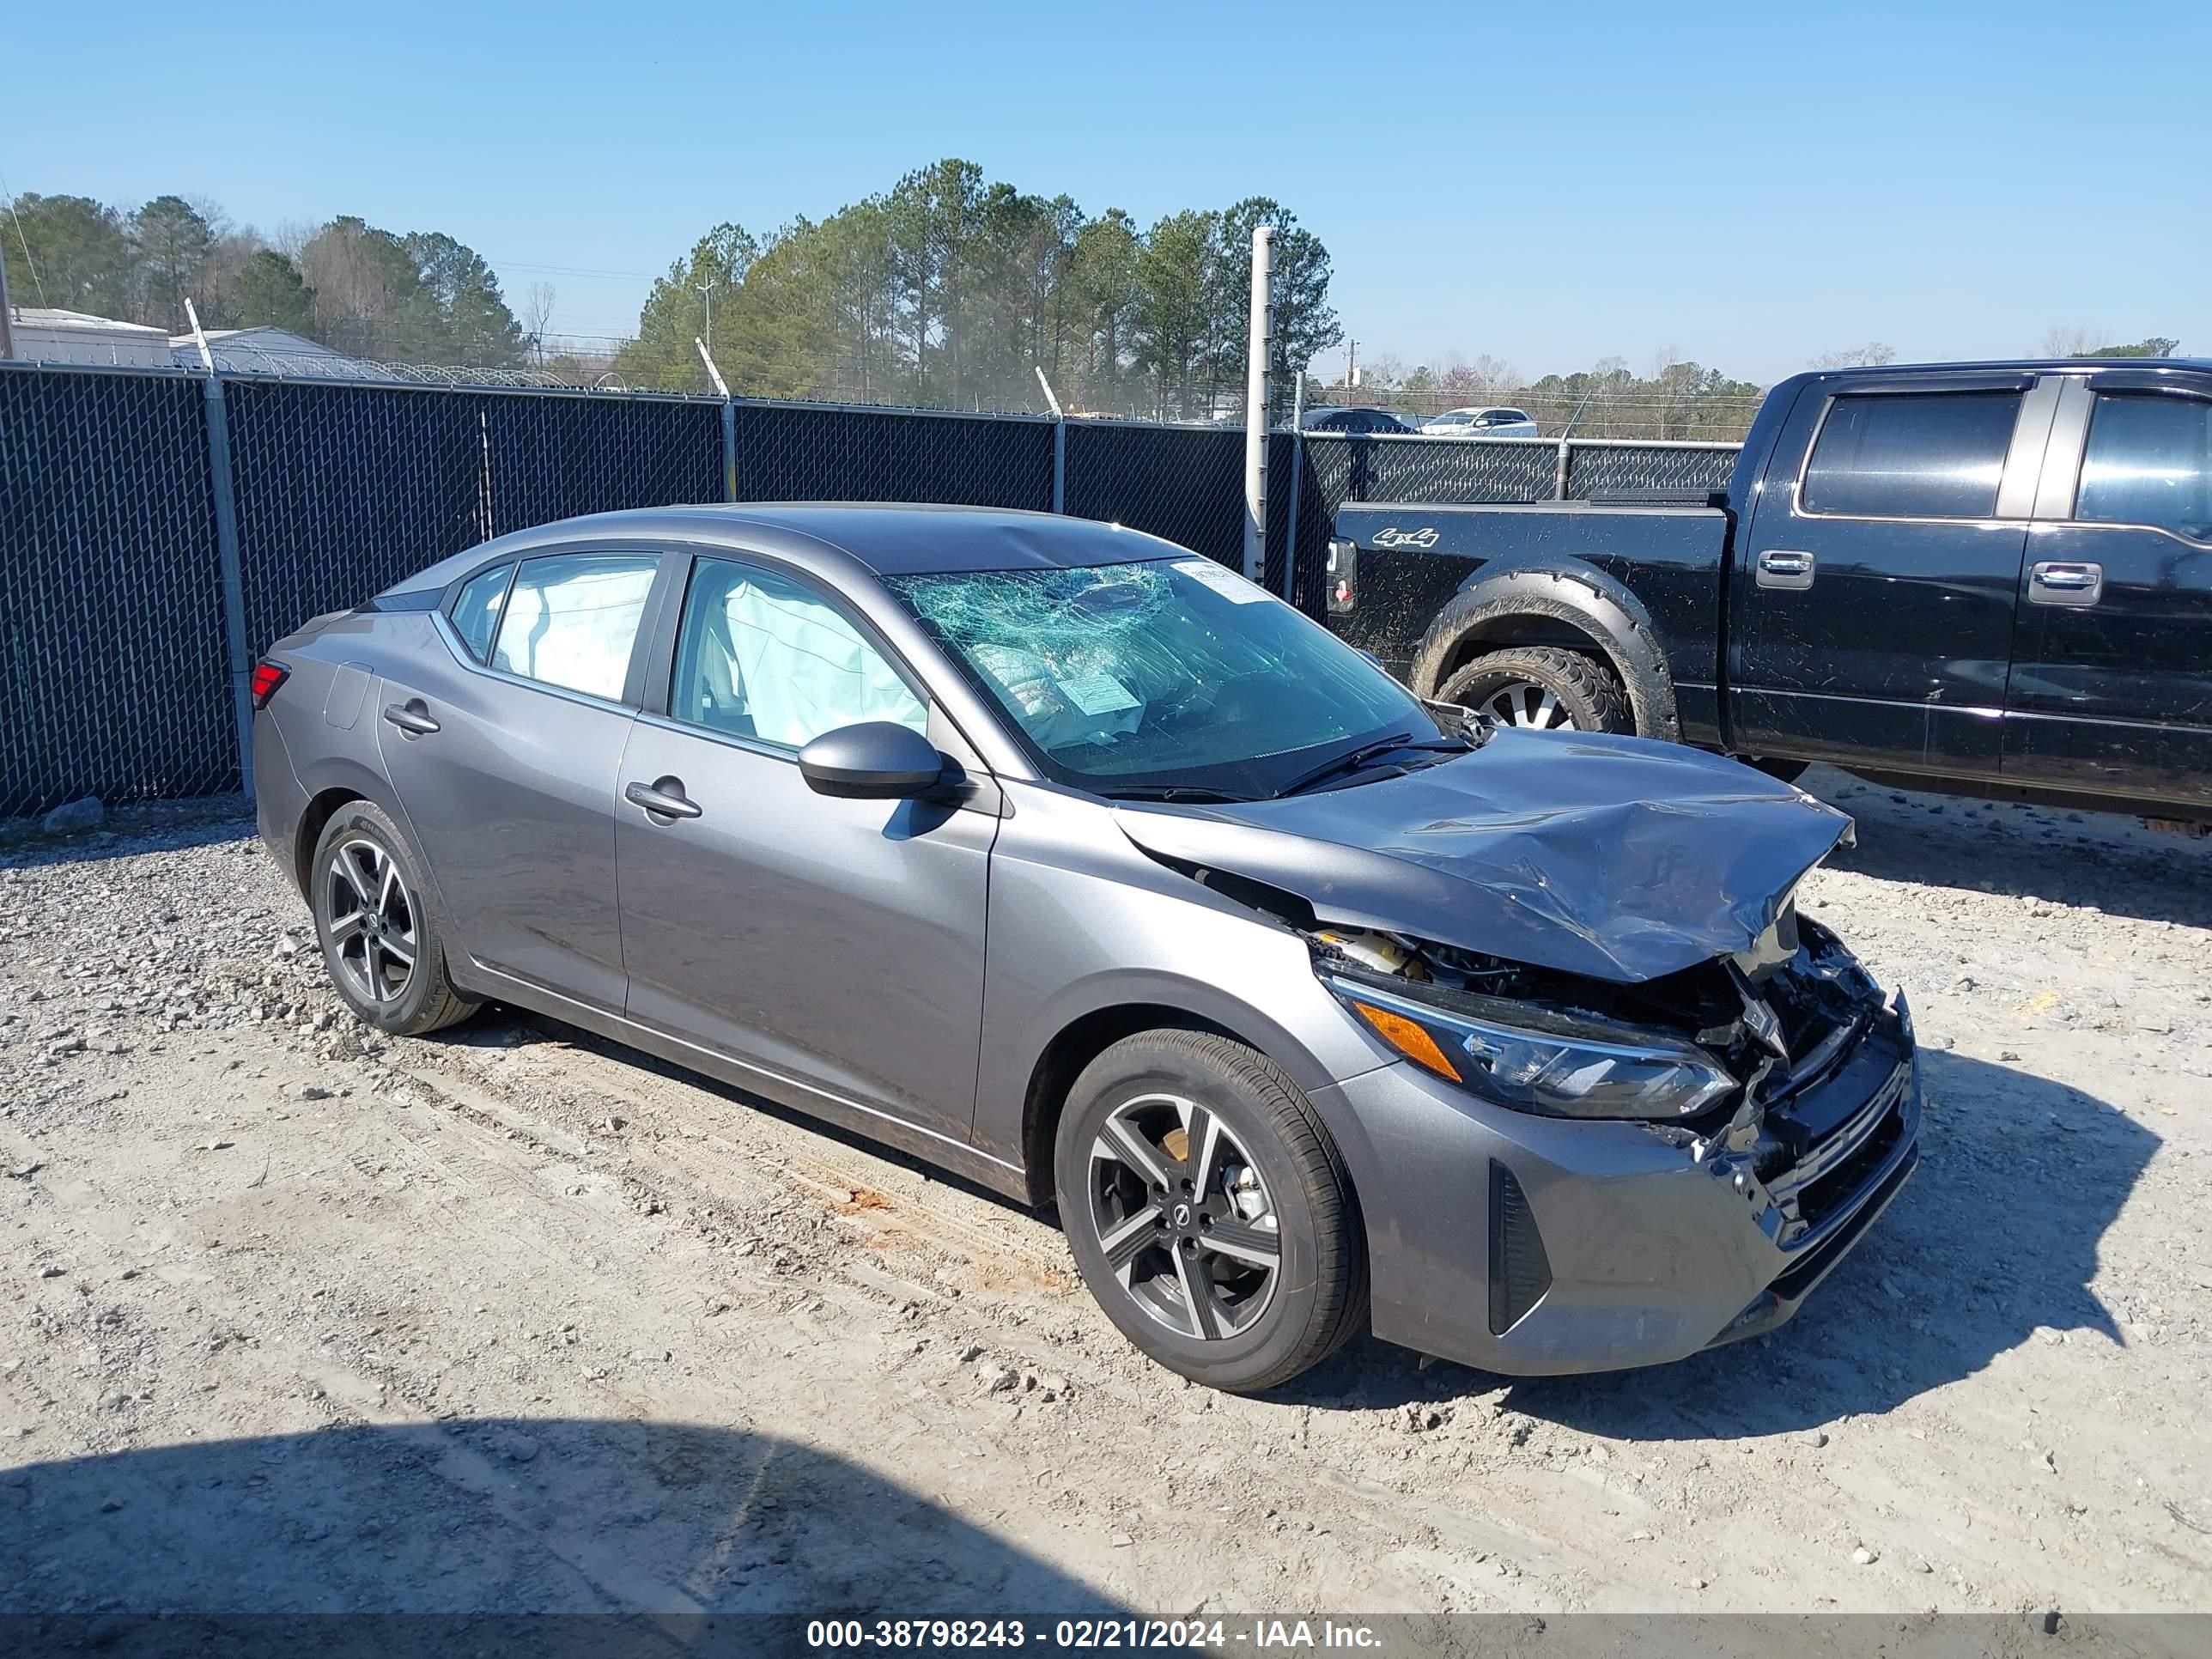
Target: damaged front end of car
(1660, 1106)
(1784, 1072)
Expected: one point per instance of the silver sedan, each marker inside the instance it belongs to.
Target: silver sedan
(1076, 863)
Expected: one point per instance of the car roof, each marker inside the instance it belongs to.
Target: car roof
(2026, 365)
(884, 539)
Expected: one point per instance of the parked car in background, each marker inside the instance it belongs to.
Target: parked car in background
(1079, 866)
(1994, 578)
(1372, 420)
(1494, 422)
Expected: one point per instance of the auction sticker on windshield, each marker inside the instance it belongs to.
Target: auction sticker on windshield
(1223, 580)
(1096, 694)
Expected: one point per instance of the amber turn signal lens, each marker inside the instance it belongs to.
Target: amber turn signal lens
(1408, 1037)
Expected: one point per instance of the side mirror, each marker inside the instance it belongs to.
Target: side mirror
(876, 760)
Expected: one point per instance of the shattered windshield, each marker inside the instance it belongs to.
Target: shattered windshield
(1174, 674)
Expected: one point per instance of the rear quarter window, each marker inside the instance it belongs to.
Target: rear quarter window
(1911, 455)
(476, 610)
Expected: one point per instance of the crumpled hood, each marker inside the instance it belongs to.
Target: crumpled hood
(1616, 858)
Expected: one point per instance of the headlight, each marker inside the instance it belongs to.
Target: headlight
(1560, 1066)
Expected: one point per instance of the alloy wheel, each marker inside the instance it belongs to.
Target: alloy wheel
(1186, 1222)
(1525, 702)
(372, 921)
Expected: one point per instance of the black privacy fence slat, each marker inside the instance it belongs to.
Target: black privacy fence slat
(553, 457)
(1186, 483)
(113, 680)
(786, 453)
(116, 676)
(343, 489)
(1593, 471)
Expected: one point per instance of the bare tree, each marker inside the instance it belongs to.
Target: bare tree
(536, 313)
(2071, 340)
(292, 237)
(1869, 355)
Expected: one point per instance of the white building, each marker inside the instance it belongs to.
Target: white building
(46, 334)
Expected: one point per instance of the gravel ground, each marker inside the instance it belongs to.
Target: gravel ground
(297, 1318)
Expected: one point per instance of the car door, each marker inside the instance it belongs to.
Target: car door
(1871, 604)
(833, 947)
(2112, 680)
(501, 742)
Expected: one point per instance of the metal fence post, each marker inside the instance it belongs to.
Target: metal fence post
(1260, 343)
(233, 578)
(729, 449)
(1298, 483)
(1559, 483)
(1059, 442)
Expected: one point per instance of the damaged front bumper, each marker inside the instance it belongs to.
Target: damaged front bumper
(1535, 1246)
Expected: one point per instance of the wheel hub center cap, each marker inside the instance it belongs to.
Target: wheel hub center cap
(1181, 1218)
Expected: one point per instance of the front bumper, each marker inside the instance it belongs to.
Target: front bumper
(1534, 1246)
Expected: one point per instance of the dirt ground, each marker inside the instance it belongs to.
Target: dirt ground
(513, 1319)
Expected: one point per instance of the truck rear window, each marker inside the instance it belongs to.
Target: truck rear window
(1911, 455)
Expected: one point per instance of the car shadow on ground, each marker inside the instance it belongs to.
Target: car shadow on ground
(637, 1531)
(2099, 859)
(1991, 1245)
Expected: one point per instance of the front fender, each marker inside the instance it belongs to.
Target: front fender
(1563, 590)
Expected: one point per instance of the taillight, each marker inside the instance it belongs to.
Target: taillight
(267, 677)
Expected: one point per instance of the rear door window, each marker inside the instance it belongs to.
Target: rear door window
(1911, 455)
(2148, 461)
(571, 620)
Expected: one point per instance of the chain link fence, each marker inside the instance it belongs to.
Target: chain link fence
(114, 516)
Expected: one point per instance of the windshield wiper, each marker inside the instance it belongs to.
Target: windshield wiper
(1171, 792)
(1352, 761)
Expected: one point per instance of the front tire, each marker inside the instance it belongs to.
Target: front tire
(1542, 687)
(1208, 1210)
(381, 940)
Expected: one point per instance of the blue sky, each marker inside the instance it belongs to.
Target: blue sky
(1745, 185)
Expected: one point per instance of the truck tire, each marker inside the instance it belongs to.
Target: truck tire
(1542, 687)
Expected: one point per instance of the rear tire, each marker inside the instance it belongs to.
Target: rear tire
(1208, 1210)
(382, 941)
(1542, 687)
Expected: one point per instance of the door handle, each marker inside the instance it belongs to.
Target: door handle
(2058, 582)
(663, 798)
(1786, 569)
(412, 717)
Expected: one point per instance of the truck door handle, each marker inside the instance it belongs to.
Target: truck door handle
(663, 798)
(1786, 569)
(412, 717)
(2057, 581)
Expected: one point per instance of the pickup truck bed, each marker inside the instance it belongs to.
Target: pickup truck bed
(1673, 554)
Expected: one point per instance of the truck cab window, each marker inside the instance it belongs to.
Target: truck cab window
(1911, 455)
(2149, 460)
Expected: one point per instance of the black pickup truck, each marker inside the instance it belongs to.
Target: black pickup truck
(1990, 579)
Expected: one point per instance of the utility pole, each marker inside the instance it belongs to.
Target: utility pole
(7, 316)
(1350, 363)
(1259, 344)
